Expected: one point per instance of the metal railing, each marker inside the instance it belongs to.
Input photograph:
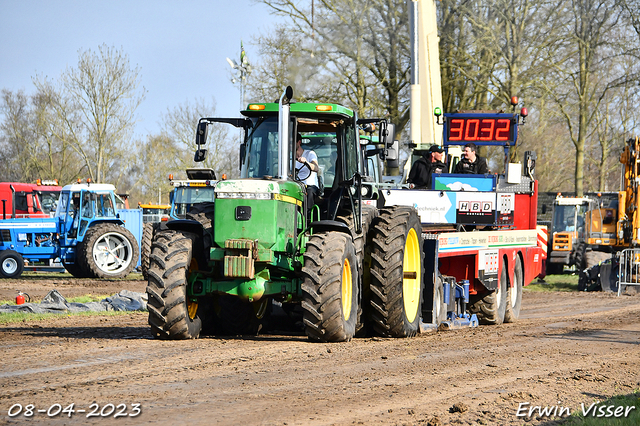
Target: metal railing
(629, 269)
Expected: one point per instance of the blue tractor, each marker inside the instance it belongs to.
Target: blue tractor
(88, 234)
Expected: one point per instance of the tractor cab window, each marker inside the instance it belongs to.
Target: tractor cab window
(186, 197)
(62, 205)
(351, 151)
(48, 200)
(262, 149)
(325, 145)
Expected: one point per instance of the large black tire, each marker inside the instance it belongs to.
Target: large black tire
(396, 272)
(11, 264)
(330, 291)
(108, 251)
(363, 253)
(580, 257)
(172, 315)
(491, 306)
(514, 293)
(148, 232)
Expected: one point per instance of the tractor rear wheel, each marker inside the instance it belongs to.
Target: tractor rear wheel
(514, 294)
(396, 272)
(11, 264)
(148, 231)
(330, 291)
(491, 307)
(172, 314)
(108, 251)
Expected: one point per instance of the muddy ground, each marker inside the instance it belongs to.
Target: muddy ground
(567, 349)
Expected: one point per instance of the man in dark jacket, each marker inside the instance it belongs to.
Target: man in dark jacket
(472, 163)
(425, 166)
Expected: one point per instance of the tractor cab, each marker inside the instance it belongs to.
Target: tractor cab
(80, 205)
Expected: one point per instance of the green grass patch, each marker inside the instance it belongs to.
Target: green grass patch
(631, 400)
(564, 282)
(26, 317)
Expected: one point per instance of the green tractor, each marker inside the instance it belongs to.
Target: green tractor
(341, 265)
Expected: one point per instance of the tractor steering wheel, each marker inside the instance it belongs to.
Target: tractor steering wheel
(298, 171)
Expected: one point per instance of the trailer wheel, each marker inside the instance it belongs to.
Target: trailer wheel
(396, 272)
(491, 307)
(330, 291)
(148, 231)
(172, 314)
(11, 264)
(108, 251)
(439, 305)
(514, 294)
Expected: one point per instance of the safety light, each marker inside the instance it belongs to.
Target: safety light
(324, 108)
(38, 182)
(79, 180)
(170, 176)
(88, 180)
(224, 176)
(256, 107)
(514, 100)
(437, 112)
(524, 112)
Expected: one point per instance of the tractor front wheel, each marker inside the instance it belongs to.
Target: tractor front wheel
(396, 272)
(172, 314)
(11, 264)
(330, 291)
(108, 251)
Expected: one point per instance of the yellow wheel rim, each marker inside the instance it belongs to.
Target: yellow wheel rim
(347, 289)
(411, 276)
(192, 305)
(192, 308)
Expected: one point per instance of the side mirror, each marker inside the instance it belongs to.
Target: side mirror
(392, 151)
(200, 155)
(387, 134)
(201, 133)
(243, 152)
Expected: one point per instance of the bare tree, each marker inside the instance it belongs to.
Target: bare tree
(95, 106)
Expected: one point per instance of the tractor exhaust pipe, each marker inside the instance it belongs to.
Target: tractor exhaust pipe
(284, 159)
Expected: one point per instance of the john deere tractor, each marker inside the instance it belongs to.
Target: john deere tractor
(341, 264)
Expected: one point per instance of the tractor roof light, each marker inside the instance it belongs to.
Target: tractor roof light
(170, 176)
(524, 112)
(514, 100)
(437, 112)
(324, 108)
(257, 107)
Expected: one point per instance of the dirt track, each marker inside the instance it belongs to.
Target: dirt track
(567, 349)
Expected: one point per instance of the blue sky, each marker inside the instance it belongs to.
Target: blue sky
(180, 46)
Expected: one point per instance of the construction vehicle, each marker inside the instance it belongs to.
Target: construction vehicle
(87, 234)
(24, 200)
(568, 242)
(154, 213)
(613, 231)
